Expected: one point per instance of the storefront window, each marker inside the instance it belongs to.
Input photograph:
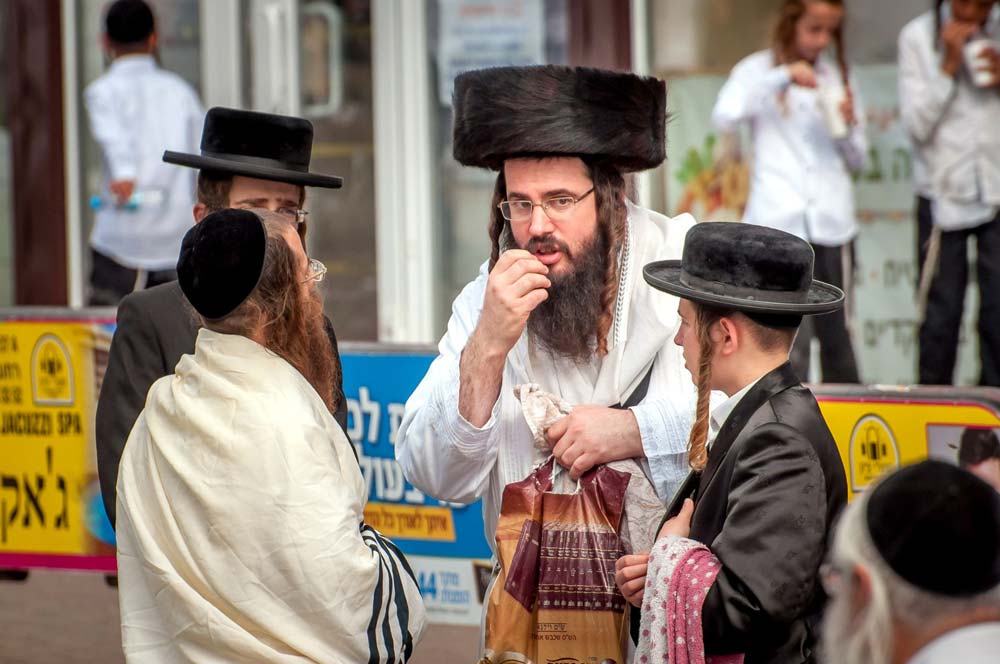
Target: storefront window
(336, 96)
(333, 44)
(695, 43)
(469, 34)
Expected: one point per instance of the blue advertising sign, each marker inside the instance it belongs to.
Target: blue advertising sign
(377, 386)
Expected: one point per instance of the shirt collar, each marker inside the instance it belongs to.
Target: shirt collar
(721, 412)
(135, 62)
(957, 645)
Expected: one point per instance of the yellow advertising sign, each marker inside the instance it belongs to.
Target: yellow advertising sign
(48, 391)
(413, 521)
(879, 431)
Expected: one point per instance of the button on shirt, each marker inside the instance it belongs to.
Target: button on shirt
(953, 127)
(800, 182)
(136, 111)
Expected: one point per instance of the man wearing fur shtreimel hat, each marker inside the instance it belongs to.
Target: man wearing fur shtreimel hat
(561, 302)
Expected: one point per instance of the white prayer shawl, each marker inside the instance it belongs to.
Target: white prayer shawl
(240, 534)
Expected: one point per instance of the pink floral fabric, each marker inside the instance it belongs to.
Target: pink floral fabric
(680, 574)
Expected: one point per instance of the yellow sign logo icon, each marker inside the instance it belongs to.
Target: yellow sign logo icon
(51, 372)
(873, 451)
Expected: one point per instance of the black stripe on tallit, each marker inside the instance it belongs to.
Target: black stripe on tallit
(402, 605)
(393, 554)
(373, 654)
(387, 639)
(399, 554)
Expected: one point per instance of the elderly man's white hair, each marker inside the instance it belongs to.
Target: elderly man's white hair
(865, 634)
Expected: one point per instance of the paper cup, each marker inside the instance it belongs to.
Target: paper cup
(975, 61)
(831, 98)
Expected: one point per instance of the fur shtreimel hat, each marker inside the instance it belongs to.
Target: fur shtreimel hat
(552, 110)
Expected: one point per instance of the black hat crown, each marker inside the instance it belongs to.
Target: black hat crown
(748, 268)
(257, 145)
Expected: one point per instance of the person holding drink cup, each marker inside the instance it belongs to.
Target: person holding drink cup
(949, 79)
(807, 127)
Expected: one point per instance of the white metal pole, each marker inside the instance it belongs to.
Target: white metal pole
(404, 223)
(71, 155)
(639, 31)
(221, 59)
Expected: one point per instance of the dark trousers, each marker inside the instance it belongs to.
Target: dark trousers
(836, 353)
(110, 281)
(939, 330)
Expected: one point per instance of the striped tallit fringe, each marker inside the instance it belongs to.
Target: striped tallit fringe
(929, 270)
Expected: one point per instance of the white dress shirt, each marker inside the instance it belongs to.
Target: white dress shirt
(953, 126)
(800, 181)
(975, 644)
(137, 111)
(722, 412)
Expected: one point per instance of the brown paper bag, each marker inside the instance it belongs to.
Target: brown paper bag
(555, 598)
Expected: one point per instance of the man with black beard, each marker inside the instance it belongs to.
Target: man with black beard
(561, 303)
(914, 572)
(241, 533)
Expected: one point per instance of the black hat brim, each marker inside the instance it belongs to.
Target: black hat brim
(822, 298)
(253, 170)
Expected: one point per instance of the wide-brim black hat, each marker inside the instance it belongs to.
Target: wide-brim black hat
(745, 268)
(552, 110)
(257, 145)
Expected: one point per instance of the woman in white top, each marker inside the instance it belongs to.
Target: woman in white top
(808, 136)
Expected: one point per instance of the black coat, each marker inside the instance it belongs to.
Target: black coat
(155, 327)
(765, 503)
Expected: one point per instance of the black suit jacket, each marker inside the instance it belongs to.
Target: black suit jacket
(773, 484)
(155, 327)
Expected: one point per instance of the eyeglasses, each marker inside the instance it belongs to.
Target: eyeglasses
(316, 271)
(557, 208)
(298, 215)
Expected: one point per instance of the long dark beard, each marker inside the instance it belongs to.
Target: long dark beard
(306, 346)
(566, 322)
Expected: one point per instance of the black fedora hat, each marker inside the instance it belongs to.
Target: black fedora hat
(257, 145)
(747, 268)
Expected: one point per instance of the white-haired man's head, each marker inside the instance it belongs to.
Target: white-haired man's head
(913, 558)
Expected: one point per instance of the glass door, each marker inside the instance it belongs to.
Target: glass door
(313, 58)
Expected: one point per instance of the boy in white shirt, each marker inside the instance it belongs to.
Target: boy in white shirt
(136, 111)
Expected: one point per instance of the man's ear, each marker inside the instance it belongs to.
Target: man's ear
(726, 336)
(200, 211)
